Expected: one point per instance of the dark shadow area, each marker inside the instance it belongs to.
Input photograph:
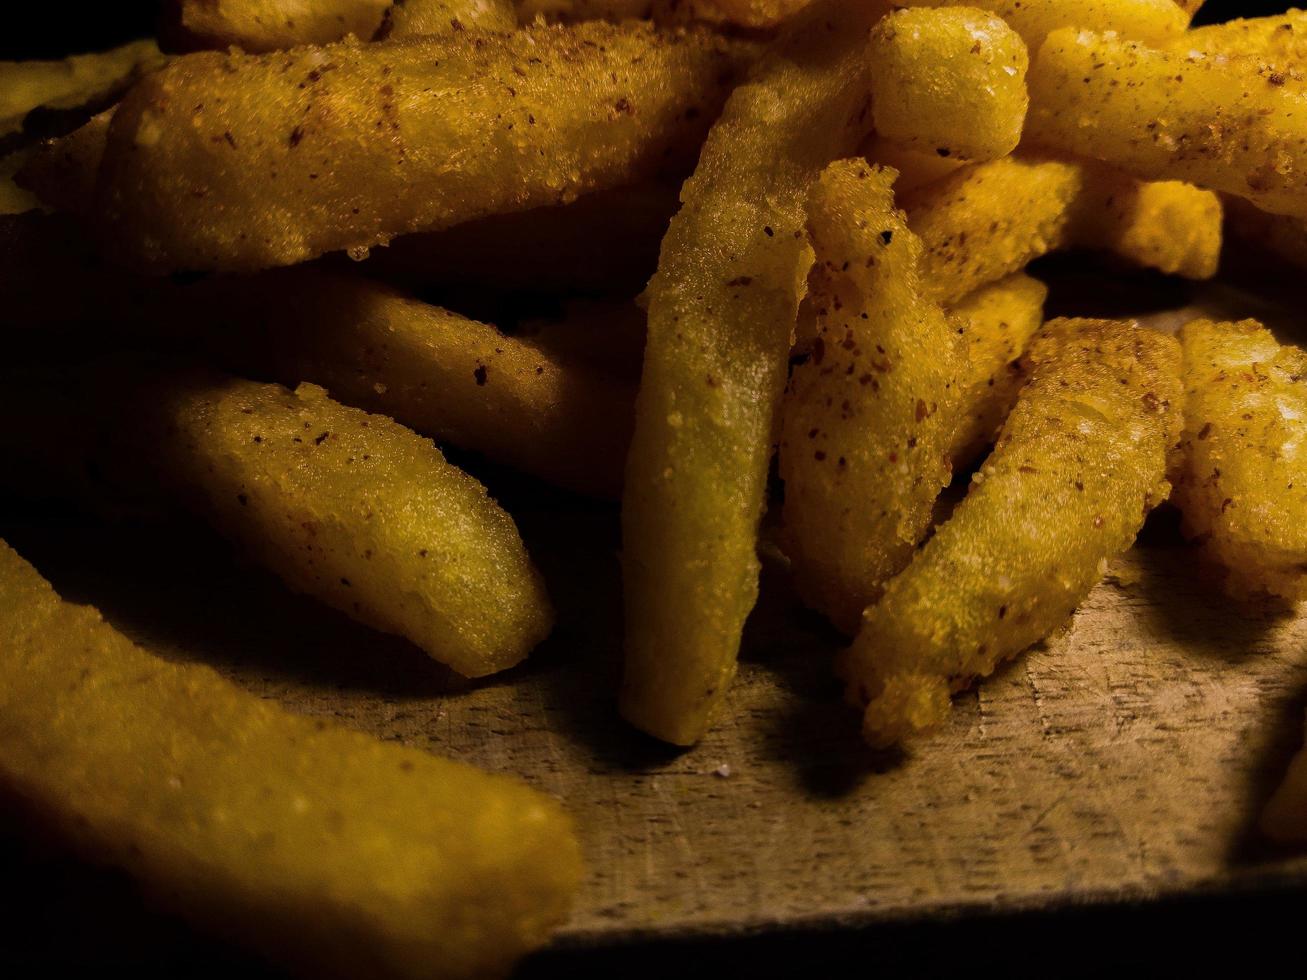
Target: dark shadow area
(1095, 285)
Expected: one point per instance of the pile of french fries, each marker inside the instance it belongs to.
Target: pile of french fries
(827, 209)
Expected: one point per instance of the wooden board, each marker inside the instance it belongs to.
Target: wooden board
(1127, 758)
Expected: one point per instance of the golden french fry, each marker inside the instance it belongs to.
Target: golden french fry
(1226, 125)
(721, 310)
(1241, 480)
(349, 508)
(915, 169)
(62, 172)
(867, 421)
(231, 161)
(425, 18)
(996, 323)
(1279, 41)
(1190, 7)
(268, 25)
(1149, 21)
(1285, 818)
(607, 336)
(457, 380)
(317, 844)
(82, 80)
(1081, 461)
(987, 222)
(950, 82)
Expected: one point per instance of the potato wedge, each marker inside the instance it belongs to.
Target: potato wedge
(867, 421)
(1149, 21)
(722, 308)
(349, 508)
(1226, 125)
(313, 843)
(1081, 461)
(242, 162)
(996, 323)
(1285, 818)
(951, 82)
(1241, 482)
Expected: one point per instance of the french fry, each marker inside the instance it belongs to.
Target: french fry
(1225, 125)
(607, 336)
(571, 11)
(349, 508)
(426, 18)
(316, 844)
(950, 82)
(996, 322)
(1149, 21)
(268, 25)
(82, 80)
(241, 162)
(62, 172)
(987, 222)
(754, 14)
(1280, 42)
(448, 377)
(915, 169)
(867, 422)
(1277, 234)
(1241, 481)
(721, 311)
(1081, 461)
(1285, 818)
(1166, 225)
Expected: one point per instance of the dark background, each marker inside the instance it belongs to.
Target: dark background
(73, 28)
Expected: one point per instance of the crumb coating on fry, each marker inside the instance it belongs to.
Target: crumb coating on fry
(1234, 126)
(240, 162)
(1080, 463)
(319, 845)
(1149, 21)
(1241, 483)
(867, 420)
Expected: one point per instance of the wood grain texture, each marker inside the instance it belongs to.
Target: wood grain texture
(1126, 758)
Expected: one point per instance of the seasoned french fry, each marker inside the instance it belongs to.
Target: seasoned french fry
(1080, 463)
(721, 310)
(1285, 818)
(915, 169)
(268, 25)
(1241, 482)
(950, 82)
(314, 843)
(996, 323)
(607, 336)
(78, 81)
(425, 18)
(987, 222)
(448, 377)
(1149, 21)
(62, 172)
(1160, 224)
(867, 422)
(1280, 42)
(234, 161)
(1226, 125)
(350, 508)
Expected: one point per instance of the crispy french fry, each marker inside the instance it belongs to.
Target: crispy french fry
(62, 172)
(721, 310)
(1149, 21)
(1080, 463)
(867, 422)
(233, 161)
(1280, 41)
(996, 323)
(448, 377)
(915, 169)
(987, 222)
(1285, 818)
(950, 82)
(314, 843)
(1166, 225)
(602, 242)
(350, 508)
(1241, 481)
(268, 25)
(1226, 125)
(425, 18)
(82, 80)
(607, 336)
